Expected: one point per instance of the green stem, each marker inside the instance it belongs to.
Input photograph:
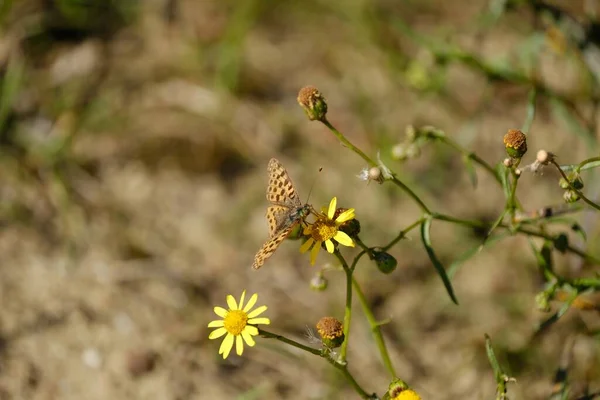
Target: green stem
(375, 330)
(412, 194)
(403, 233)
(342, 367)
(469, 154)
(587, 161)
(348, 308)
(372, 163)
(347, 143)
(519, 229)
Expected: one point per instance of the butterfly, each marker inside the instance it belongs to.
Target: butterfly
(285, 212)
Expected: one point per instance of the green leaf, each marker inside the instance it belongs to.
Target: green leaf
(11, 84)
(498, 373)
(470, 170)
(426, 238)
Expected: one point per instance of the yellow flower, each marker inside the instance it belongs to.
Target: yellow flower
(237, 323)
(326, 228)
(408, 394)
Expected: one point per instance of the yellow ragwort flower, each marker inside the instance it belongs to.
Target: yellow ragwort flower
(408, 394)
(237, 323)
(326, 228)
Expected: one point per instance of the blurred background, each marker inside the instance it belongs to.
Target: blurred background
(134, 141)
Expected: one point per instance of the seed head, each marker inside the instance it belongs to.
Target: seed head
(331, 331)
(313, 103)
(515, 143)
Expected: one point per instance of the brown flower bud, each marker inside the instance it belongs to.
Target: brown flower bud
(515, 143)
(313, 103)
(331, 331)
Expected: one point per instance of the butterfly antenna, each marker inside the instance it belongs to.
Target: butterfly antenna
(311, 189)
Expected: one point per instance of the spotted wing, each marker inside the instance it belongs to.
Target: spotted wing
(276, 217)
(270, 246)
(281, 189)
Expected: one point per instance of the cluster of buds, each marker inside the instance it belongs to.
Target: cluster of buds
(410, 147)
(571, 185)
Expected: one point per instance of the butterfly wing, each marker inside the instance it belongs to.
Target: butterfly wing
(270, 246)
(280, 189)
(276, 217)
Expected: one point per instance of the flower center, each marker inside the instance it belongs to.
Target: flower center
(323, 230)
(235, 321)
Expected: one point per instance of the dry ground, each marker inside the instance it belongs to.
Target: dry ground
(132, 198)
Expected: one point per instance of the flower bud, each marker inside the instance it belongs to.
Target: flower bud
(351, 227)
(386, 263)
(570, 196)
(563, 183)
(561, 242)
(319, 283)
(515, 143)
(576, 181)
(399, 152)
(331, 331)
(542, 301)
(313, 103)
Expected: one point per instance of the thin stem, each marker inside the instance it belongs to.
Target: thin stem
(347, 143)
(291, 342)
(587, 161)
(412, 194)
(519, 229)
(342, 367)
(403, 233)
(372, 163)
(348, 308)
(375, 330)
(448, 141)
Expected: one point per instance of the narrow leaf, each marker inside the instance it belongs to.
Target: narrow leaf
(470, 170)
(426, 238)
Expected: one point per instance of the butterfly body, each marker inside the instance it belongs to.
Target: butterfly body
(285, 212)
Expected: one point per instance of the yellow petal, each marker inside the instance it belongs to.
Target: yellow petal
(345, 216)
(226, 346)
(343, 238)
(239, 345)
(252, 330)
(307, 230)
(306, 245)
(231, 302)
(241, 303)
(248, 339)
(217, 333)
(220, 311)
(262, 320)
(329, 245)
(216, 323)
(332, 205)
(314, 252)
(251, 302)
(257, 312)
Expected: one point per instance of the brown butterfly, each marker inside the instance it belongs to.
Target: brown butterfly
(285, 212)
